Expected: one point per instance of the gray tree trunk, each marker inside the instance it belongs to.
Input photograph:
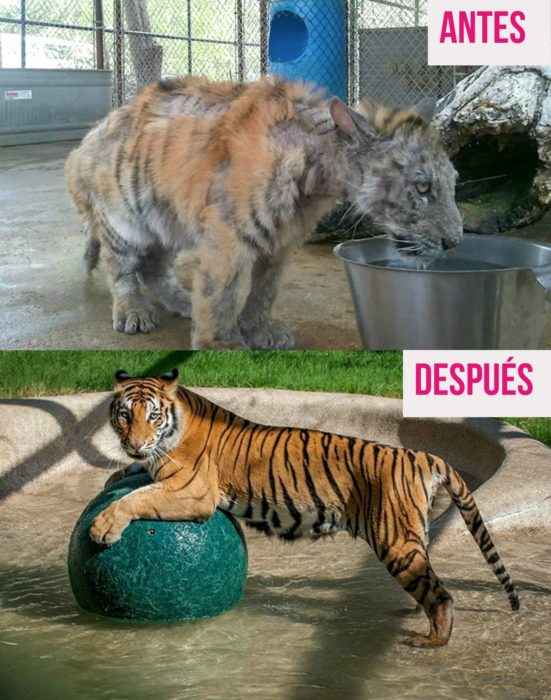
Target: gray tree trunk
(147, 55)
(496, 124)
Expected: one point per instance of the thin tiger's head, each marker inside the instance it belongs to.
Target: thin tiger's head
(145, 414)
(400, 175)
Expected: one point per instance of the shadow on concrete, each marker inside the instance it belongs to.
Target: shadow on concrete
(58, 448)
(475, 454)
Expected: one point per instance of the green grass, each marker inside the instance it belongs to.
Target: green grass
(33, 373)
(538, 428)
(29, 373)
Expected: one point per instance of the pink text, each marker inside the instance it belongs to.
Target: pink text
(488, 379)
(483, 26)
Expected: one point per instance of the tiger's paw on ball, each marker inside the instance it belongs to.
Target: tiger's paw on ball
(108, 526)
(164, 571)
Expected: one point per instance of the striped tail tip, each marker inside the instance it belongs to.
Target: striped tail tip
(514, 600)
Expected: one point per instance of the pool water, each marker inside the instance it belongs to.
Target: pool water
(319, 620)
(439, 264)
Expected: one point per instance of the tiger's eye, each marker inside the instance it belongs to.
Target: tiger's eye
(423, 187)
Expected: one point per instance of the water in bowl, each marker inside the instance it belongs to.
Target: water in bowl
(439, 264)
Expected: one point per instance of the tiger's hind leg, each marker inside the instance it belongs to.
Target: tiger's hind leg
(132, 312)
(91, 253)
(410, 566)
(221, 285)
(259, 330)
(158, 276)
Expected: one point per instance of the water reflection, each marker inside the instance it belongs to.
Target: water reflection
(319, 620)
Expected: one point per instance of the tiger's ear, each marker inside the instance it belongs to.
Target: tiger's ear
(170, 380)
(426, 109)
(120, 377)
(353, 126)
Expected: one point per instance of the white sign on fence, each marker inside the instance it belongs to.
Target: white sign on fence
(18, 94)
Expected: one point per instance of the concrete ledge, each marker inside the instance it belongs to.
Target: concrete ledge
(40, 439)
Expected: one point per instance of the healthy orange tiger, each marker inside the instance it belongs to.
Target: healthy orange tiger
(290, 483)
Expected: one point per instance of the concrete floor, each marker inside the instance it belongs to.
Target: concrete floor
(48, 303)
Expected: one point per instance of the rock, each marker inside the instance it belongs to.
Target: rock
(496, 124)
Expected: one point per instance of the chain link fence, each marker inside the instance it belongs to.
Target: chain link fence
(47, 34)
(389, 50)
(145, 41)
(383, 42)
(139, 40)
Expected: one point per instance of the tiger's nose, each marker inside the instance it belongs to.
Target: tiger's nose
(136, 445)
(447, 243)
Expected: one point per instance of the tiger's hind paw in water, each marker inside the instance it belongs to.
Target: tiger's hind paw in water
(441, 622)
(422, 642)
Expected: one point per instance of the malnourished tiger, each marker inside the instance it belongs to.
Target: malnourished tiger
(243, 173)
(287, 482)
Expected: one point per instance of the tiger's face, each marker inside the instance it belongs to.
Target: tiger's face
(145, 414)
(411, 194)
(404, 180)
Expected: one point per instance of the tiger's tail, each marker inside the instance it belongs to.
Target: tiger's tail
(91, 253)
(81, 197)
(463, 499)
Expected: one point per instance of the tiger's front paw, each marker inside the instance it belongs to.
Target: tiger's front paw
(108, 526)
(132, 321)
(234, 341)
(273, 335)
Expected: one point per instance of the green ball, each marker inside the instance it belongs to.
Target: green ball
(158, 570)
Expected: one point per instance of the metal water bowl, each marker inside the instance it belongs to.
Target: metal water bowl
(489, 292)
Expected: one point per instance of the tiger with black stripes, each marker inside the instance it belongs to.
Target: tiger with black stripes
(242, 173)
(288, 482)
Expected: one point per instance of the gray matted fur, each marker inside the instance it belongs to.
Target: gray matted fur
(243, 173)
